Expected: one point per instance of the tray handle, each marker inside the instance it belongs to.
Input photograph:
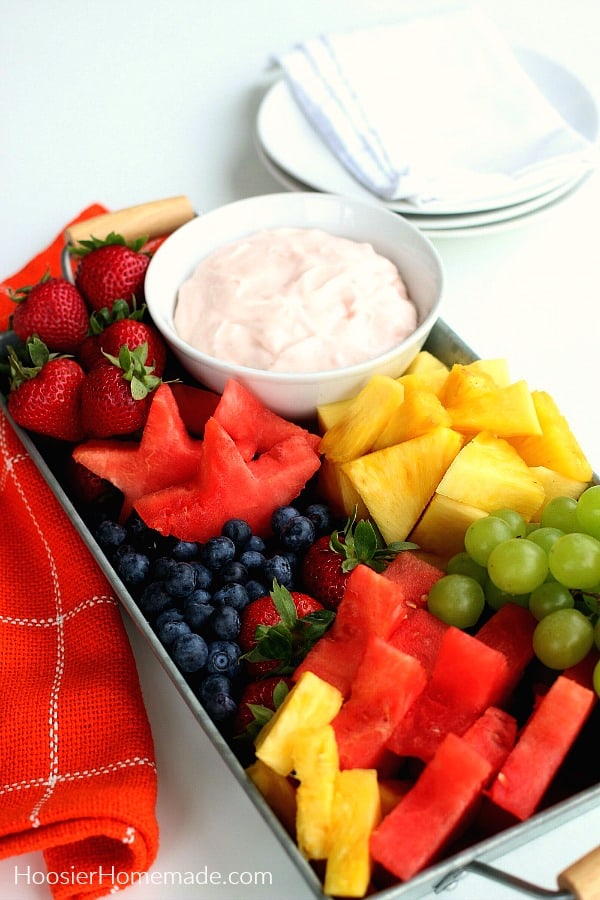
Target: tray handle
(583, 877)
(152, 219)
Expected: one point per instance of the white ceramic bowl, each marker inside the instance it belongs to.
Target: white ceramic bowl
(296, 395)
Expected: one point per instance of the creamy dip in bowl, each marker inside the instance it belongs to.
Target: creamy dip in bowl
(296, 393)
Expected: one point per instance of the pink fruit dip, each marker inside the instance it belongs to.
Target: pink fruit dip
(294, 300)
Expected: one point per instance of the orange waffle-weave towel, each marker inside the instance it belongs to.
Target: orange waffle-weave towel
(77, 769)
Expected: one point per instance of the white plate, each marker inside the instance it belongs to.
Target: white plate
(456, 225)
(293, 145)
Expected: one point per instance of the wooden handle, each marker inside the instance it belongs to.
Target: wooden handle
(152, 219)
(582, 879)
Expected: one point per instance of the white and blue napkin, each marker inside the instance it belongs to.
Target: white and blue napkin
(438, 108)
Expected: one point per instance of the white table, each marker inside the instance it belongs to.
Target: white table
(122, 103)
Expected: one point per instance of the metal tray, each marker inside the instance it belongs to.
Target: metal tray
(448, 347)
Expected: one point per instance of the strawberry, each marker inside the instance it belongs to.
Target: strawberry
(110, 270)
(278, 630)
(45, 396)
(54, 310)
(133, 333)
(116, 394)
(330, 560)
(258, 702)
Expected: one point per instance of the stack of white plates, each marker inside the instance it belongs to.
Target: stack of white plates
(297, 158)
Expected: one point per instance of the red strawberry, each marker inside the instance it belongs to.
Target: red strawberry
(278, 630)
(110, 270)
(330, 560)
(116, 395)
(45, 397)
(258, 702)
(54, 310)
(134, 333)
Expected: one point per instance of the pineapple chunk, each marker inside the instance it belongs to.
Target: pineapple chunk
(557, 447)
(356, 814)
(338, 490)
(365, 417)
(441, 528)
(316, 765)
(464, 384)
(425, 361)
(329, 414)
(497, 369)
(489, 474)
(425, 380)
(278, 791)
(556, 485)
(311, 703)
(504, 411)
(397, 483)
(421, 411)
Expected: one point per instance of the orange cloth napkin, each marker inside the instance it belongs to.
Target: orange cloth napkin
(77, 769)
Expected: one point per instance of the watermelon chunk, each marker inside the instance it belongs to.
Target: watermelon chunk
(543, 744)
(253, 426)
(196, 405)
(435, 811)
(510, 631)
(371, 605)
(415, 575)
(420, 635)
(467, 677)
(165, 455)
(493, 735)
(386, 684)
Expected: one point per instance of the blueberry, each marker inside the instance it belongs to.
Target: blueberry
(238, 531)
(255, 589)
(185, 551)
(217, 551)
(169, 629)
(278, 568)
(181, 580)
(204, 577)
(154, 599)
(168, 615)
(110, 535)
(214, 693)
(281, 516)
(253, 560)
(255, 543)
(225, 623)
(223, 658)
(198, 595)
(161, 567)
(141, 536)
(133, 568)
(298, 534)
(233, 571)
(232, 594)
(189, 652)
(197, 614)
(320, 515)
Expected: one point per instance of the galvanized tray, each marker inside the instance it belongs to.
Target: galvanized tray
(449, 348)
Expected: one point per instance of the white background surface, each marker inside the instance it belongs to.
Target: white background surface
(124, 102)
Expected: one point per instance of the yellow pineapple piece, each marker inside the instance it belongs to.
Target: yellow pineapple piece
(432, 379)
(355, 815)
(504, 411)
(497, 369)
(556, 485)
(316, 765)
(489, 474)
(329, 414)
(556, 447)
(311, 703)
(366, 415)
(464, 384)
(421, 411)
(338, 490)
(424, 361)
(278, 791)
(441, 529)
(396, 483)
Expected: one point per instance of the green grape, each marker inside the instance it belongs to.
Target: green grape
(574, 560)
(560, 512)
(457, 600)
(545, 537)
(517, 566)
(547, 597)
(495, 598)
(597, 634)
(483, 535)
(462, 564)
(588, 511)
(532, 527)
(563, 638)
(517, 523)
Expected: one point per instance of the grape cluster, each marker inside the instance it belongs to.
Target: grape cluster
(551, 567)
(193, 594)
